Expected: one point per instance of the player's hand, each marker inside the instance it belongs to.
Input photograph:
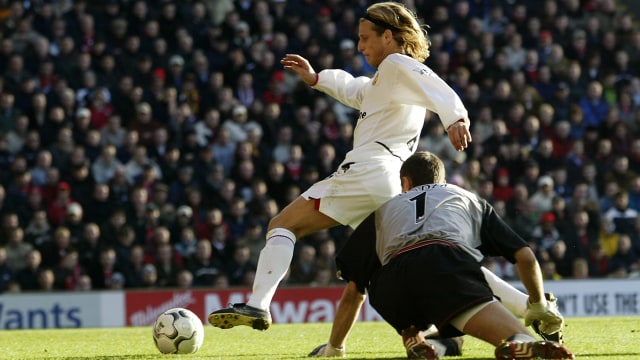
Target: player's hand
(550, 319)
(300, 66)
(326, 350)
(459, 135)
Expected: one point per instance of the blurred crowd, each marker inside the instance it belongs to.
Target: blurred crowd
(147, 143)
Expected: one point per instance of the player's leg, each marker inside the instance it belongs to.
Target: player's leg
(493, 323)
(445, 346)
(513, 299)
(296, 220)
(516, 302)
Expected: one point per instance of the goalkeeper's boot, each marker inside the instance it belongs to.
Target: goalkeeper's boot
(515, 350)
(417, 346)
(444, 346)
(558, 336)
(240, 314)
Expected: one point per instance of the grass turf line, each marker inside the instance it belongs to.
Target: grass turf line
(598, 338)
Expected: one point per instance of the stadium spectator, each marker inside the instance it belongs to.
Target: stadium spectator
(546, 233)
(184, 279)
(102, 270)
(17, 249)
(304, 268)
(113, 133)
(608, 237)
(17, 137)
(579, 239)
(58, 209)
(558, 254)
(6, 274)
(26, 210)
(68, 273)
(46, 280)
(149, 276)
(74, 222)
(625, 260)
(502, 191)
(542, 197)
(253, 238)
(598, 261)
(185, 246)
(104, 167)
(8, 112)
(204, 267)
(132, 267)
(90, 245)
(240, 265)
(39, 171)
(27, 277)
(57, 249)
(168, 265)
(580, 269)
(620, 214)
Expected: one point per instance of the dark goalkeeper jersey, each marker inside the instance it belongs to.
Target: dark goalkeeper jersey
(434, 212)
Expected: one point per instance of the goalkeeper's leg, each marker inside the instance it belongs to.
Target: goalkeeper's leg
(516, 302)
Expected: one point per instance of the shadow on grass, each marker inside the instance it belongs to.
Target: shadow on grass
(612, 355)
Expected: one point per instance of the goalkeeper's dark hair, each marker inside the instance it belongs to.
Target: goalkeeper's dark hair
(422, 168)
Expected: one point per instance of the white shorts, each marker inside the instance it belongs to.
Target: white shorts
(353, 192)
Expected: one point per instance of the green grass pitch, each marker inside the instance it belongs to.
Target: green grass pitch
(589, 338)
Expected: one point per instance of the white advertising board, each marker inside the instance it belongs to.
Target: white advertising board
(61, 310)
(598, 297)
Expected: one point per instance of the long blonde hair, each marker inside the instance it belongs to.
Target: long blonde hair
(403, 23)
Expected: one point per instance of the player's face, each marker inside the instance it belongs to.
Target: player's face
(374, 47)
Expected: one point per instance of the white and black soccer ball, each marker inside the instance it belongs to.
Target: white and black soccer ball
(178, 331)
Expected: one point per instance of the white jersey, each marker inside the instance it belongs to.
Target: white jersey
(430, 212)
(392, 105)
(392, 108)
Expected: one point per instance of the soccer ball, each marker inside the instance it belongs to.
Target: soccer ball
(178, 331)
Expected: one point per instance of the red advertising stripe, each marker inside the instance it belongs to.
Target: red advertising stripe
(290, 305)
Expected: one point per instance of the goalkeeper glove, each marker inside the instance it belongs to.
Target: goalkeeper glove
(547, 312)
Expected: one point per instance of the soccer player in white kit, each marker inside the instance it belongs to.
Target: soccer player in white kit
(392, 107)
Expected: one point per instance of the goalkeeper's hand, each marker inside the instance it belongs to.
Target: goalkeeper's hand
(550, 319)
(326, 350)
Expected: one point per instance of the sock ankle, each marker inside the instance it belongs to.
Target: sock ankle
(273, 264)
(521, 338)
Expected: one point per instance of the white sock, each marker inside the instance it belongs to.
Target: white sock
(273, 264)
(513, 299)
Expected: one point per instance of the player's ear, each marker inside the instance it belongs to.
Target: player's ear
(388, 35)
(406, 183)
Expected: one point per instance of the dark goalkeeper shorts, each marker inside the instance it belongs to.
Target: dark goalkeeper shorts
(431, 284)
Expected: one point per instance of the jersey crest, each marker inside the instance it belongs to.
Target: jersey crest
(422, 70)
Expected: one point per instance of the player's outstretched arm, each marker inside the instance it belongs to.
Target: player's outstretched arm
(300, 66)
(346, 316)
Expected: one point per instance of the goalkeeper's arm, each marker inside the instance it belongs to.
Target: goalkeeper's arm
(530, 274)
(537, 306)
(346, 316)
